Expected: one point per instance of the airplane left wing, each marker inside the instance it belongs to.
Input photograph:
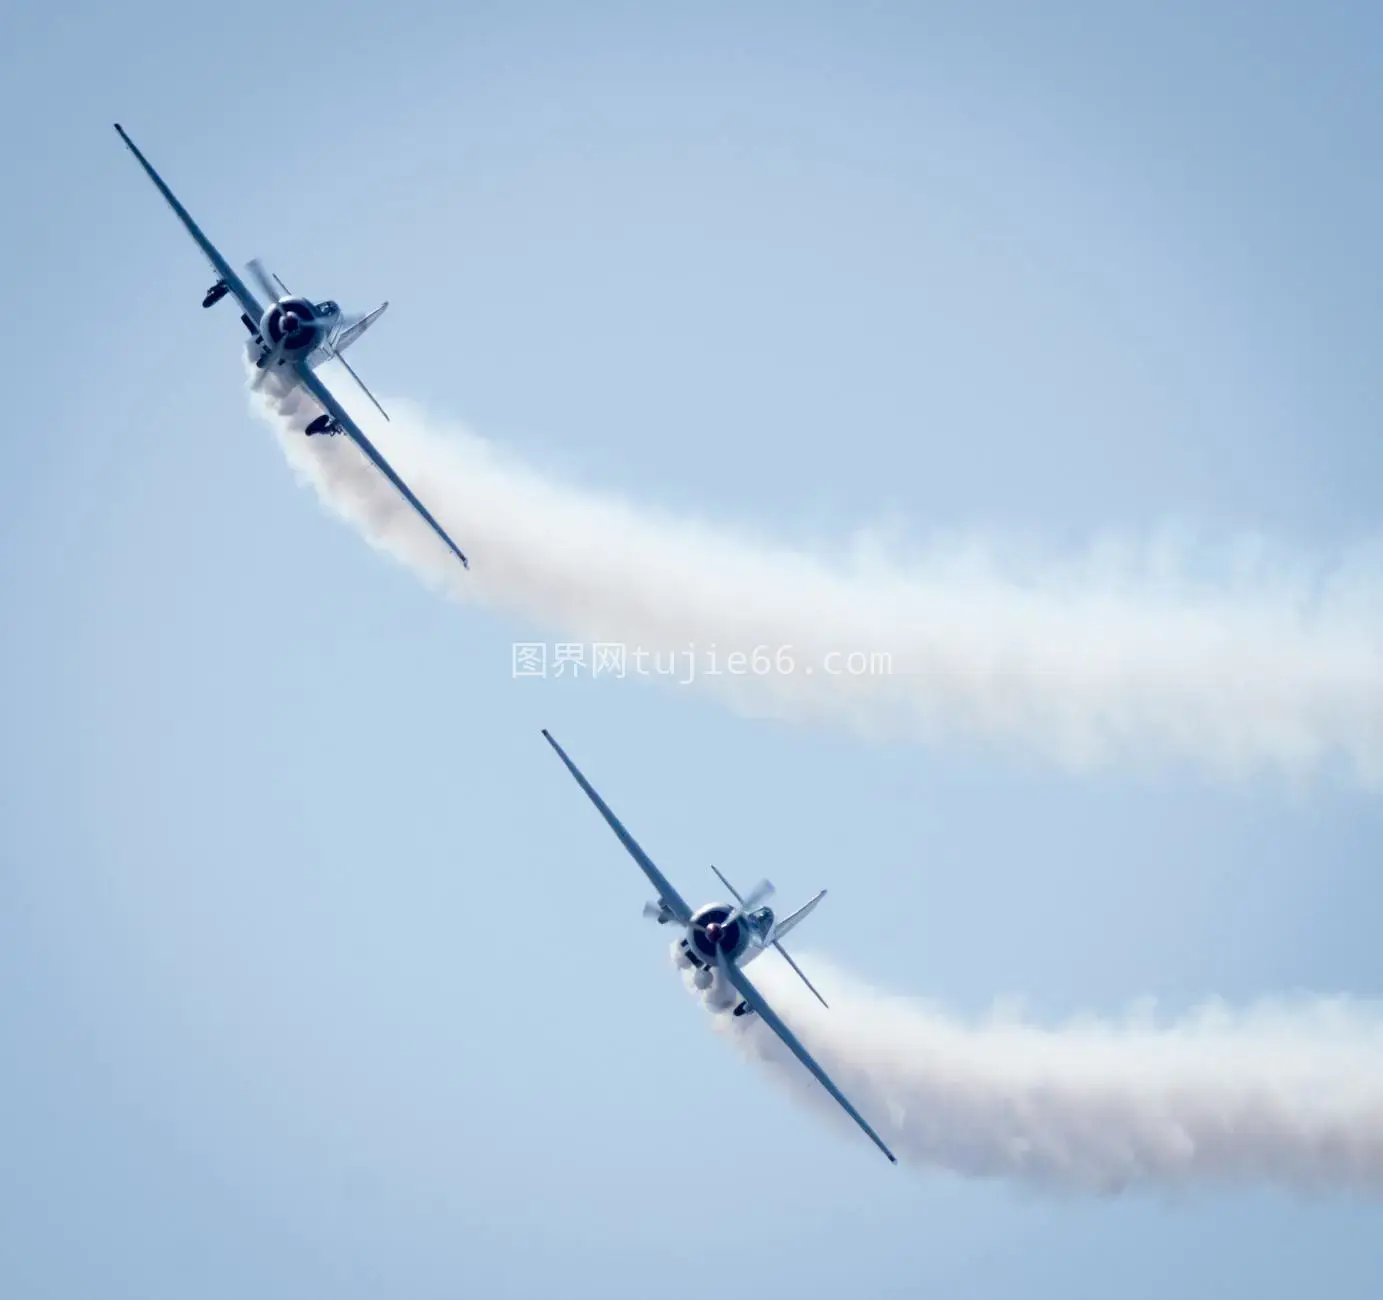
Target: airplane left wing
(737, 978)
(667, 895)
(309, 380)
(249, 304)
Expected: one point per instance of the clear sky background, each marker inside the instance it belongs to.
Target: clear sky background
(318, 975)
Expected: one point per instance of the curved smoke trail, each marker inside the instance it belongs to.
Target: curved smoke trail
(1282, 1094)
(1119, 654)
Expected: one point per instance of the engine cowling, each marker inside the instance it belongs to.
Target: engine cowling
(290, 326)
(709, 933)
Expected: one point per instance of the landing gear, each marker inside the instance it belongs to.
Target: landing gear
(744, 1009)
(323, 424)
(214, 295)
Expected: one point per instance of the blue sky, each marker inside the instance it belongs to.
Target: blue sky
(322, 977)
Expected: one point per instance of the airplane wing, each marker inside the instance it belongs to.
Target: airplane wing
(751, 995)
(670, 897)
(249, 304)
(319, 390)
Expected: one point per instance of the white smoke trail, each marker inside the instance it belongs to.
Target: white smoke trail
(1282, 1094)
(1120, 653)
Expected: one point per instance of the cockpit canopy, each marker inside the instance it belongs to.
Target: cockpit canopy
(328, 308)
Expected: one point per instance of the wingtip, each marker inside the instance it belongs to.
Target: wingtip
(556, 748)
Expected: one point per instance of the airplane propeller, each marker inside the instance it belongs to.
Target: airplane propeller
(754, 899)
(271, 287)
(267, 283)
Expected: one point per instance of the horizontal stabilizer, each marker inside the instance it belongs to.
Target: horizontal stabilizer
(363, 389)
(783, 953)
(720, 875)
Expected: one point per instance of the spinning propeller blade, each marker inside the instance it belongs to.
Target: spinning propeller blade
(269, 285)
(754, 899)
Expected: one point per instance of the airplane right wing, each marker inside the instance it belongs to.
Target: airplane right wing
(729, 971)
(666, 893)
(248, 302)
(314, 385)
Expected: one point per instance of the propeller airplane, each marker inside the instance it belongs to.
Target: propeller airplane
(720, 939)
(290, 336)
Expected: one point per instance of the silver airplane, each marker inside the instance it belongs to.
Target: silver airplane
(720, 939)
(291, 336)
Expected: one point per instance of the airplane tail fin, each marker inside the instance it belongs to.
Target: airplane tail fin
(354, 327)
(780, 928)
(792, 922)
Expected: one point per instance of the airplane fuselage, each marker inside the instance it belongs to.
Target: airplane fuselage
(294, 329)
(743, 939)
